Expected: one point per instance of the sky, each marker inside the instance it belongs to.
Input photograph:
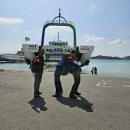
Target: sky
(103, 24)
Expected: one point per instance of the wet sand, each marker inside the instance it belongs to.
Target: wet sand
(103, 105)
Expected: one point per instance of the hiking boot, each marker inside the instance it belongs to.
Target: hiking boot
(39, 92)
(56, 95)
(73, 96)
(77, 93)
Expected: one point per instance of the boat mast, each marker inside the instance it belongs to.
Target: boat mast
(58, 37)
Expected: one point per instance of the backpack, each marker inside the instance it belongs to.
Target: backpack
(35, 68)
(65, 70)
(63, 65)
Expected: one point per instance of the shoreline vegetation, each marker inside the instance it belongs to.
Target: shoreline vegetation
(110, 57)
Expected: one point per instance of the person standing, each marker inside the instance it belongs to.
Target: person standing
(95, 70)
(92, 71)
(37, 69)
(58, 72)
(75, 70)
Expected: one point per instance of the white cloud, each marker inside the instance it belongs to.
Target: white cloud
(6, 21)
(118, 42)
(93, 7)
(93, 39)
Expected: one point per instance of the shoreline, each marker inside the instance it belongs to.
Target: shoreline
(51, 70)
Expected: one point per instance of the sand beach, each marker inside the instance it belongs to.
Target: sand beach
(103, 105)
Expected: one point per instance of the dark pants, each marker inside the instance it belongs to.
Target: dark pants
(57, 81)
(37, 81)
(75, 86)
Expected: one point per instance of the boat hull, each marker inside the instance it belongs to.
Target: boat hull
(86, 52)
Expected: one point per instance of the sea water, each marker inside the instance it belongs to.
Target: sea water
(119, 68)
(15, 66)
(106, 67)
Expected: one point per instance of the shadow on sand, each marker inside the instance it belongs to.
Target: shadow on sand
(80, 103)
(38, 104)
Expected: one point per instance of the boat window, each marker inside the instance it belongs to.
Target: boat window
(50, 50)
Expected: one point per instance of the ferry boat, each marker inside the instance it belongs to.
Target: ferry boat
(54, 50)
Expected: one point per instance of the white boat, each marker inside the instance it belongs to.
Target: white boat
(13, 57)
(54, 50)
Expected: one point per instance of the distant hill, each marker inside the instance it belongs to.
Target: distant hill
(110, 57)
(126, 57)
